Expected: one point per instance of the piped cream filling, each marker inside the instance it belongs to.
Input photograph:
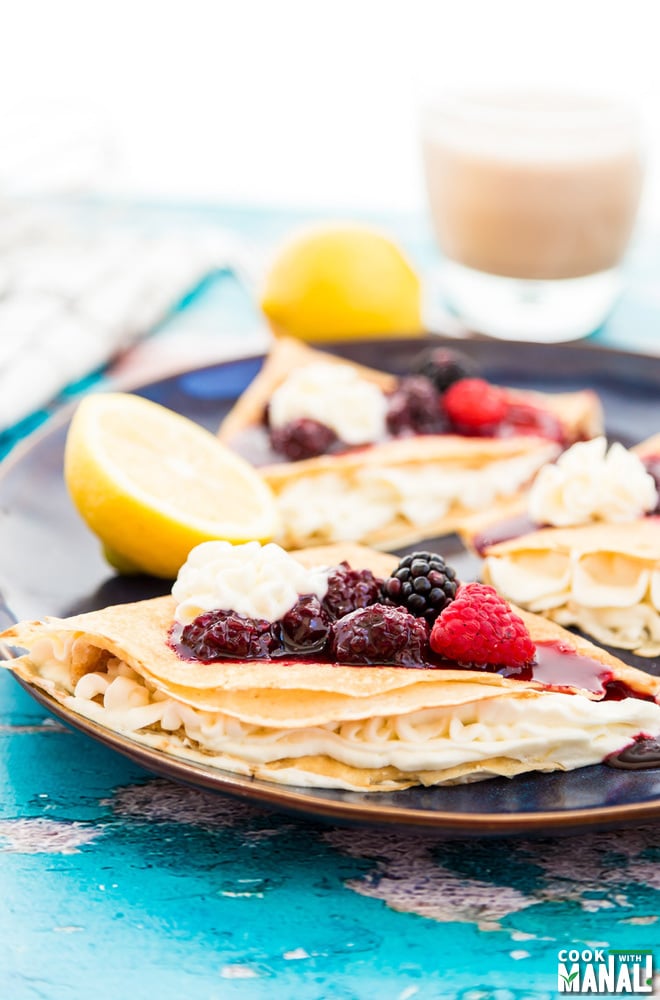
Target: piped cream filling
(544, 730)
(329, 507)
(610, 595)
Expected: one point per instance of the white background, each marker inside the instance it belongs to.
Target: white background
(288, 102)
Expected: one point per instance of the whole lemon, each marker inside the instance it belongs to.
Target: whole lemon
(341, 281)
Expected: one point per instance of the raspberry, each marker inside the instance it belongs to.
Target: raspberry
(217, 635)
(349, 589)
(480, 628)
(475, 407)
(423, 584)
(523, 418)
(380, 634)
(301, 439)
(414, 408)
(306, 627)
(443, 366)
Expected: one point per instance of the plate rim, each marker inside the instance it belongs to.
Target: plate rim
(271, 794)
(262, 792)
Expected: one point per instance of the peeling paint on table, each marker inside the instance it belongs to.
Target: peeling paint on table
(141, 887)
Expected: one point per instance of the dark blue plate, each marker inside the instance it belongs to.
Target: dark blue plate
(51, 565)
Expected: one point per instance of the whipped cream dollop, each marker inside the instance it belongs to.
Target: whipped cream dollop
(590, 483)
(336, 395)
(254, 580)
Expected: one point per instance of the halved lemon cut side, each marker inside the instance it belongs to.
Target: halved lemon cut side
(152, 484)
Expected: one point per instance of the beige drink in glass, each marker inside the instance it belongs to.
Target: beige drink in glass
(533, 203)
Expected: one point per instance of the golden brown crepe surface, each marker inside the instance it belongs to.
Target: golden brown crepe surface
(639, 539)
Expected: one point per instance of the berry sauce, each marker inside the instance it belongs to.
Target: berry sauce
(557, 667)
(504, 531)
(644, 752)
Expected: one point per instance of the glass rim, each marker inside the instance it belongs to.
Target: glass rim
(534, 109)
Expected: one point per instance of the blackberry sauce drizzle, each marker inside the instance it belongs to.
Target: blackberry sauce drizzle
(504, 531)
(557, 667)
(638, 756)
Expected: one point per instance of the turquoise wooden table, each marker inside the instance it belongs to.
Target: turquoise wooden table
(116, 884)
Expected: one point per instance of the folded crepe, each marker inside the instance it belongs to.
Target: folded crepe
(510, 519)
(602, 577)
(395, 492)
(319, 724)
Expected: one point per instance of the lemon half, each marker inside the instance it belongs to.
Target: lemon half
(341, 281)
(152, 484)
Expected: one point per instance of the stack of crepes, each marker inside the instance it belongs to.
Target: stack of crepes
(304, 723)
(393, 492)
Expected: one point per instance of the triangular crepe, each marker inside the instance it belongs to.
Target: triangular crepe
(321, 724)
(511, 520)
(602, 577)
(372, 494)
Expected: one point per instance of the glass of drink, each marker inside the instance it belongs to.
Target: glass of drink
(533, 201)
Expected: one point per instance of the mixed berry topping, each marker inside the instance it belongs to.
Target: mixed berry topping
(419, 614)
(475, 629)
(380, 634)
(300, 439)
(475, 407)
(306, 627)
(442, 395)
(443, 367)
(423, 584)
(349, 589)
(414, 408)
(218, 635)
(479, 628)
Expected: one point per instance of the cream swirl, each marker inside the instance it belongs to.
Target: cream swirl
(336, 395)
(590, 483)
(543, 730)
(328, 507)
(254, 580)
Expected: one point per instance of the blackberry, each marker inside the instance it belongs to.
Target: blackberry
(414, 408)
(443, 366)
(305, 628)
(302, 439)
(423, 584)
(219, 635)
(380, 634)
(349, 589)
